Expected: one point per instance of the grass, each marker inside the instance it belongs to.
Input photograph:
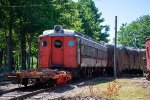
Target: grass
(130, 89)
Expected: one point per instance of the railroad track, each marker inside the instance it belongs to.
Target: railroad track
(33, 91)
(23, 92)
(30, 91)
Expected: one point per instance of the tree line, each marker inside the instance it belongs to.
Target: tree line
(22, 21)
(135, 33)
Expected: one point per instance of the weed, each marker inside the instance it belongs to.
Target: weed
(112, 90)
(91, 90)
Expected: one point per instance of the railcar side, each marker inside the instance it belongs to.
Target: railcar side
(129, 61)
(93, 57)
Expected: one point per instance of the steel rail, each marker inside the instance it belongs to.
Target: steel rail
(24, 95)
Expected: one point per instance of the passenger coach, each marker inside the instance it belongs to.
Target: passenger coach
(63, 49)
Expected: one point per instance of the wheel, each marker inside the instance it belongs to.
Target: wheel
(25, 85)
(52, 83)
(25, 82)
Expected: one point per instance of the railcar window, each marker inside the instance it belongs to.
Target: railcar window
(87, 50)
(100, 54)
(96, 53)
(90, 52)
(58, 43)
(82, 49)
(103, 54)
(71, 43)
(93, 51)
(44, 43)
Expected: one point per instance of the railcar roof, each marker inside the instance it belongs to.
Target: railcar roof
(63, 33)
(67, 32)
(147, 39)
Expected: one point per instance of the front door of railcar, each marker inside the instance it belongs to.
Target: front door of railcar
(57, 51)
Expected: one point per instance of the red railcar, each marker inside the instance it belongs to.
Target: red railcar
(147, 72)
(147, 42)
(69, 50)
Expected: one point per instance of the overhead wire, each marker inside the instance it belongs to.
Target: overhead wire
(22, 6)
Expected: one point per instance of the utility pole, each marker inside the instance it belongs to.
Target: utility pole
(115, 50)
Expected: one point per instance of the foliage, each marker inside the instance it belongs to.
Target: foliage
(134, 34)
(21, 22)
(91, 20)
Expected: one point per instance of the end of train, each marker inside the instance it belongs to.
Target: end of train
(147, 70)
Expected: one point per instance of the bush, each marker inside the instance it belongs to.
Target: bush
(112, 90)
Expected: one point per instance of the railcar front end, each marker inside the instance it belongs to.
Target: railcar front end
(147, 70)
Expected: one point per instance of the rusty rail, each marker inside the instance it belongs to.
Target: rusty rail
(30, 94)
(24, 95)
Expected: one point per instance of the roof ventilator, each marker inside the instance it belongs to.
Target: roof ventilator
(58, 29)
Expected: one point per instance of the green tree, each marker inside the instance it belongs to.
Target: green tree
(135, 33)
(21, 22)
(91, 20)
(7, 21)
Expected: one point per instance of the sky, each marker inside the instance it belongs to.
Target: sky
(125, 10)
